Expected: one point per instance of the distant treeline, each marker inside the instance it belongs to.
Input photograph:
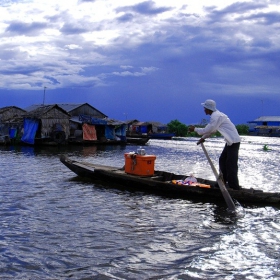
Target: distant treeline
(181, 130)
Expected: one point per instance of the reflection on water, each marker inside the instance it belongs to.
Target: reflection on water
(55, 226)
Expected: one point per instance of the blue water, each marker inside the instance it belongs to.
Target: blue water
(57, 226)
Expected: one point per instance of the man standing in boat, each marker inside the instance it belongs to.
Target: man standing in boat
(228, 161)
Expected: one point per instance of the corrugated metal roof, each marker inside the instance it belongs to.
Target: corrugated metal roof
(157, 124)
(39, 110)
(32, 107)
(76, 119)
(3, 109)
(114, 122)
(138, 123)
(131, 121)
(65, 107)
(70, 107)
(267, 127)
(267, 119)
(108, 121)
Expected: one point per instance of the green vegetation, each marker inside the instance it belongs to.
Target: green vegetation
(181, 130)
(178, 128)
(265, 148)
(242, 129)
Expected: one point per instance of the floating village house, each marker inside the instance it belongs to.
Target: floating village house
(45, 124)
(11, 119)
(137, 127)
(265, 126)
(59, 124)
(81, 118)
(151, 129)
(87, 124)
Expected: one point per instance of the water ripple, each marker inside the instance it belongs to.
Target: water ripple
(55, 226)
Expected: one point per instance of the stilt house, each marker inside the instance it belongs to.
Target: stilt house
(46, 124)
(11, 123)
(265, 126)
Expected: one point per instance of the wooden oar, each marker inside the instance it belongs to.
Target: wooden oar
(221, 184)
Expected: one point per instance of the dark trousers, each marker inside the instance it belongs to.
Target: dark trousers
(228, 163)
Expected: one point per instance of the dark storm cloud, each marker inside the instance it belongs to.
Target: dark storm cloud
(145, 8)
(236, 8)
(225, 53)
(9, 51)
(52, 80)
(27, 29)
(22, 68)
(243, 7)
(69, 28)
(125, 18)
(265, 18)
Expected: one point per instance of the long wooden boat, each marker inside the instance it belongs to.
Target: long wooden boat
(162, 136)
(137, 140)
(162, 183)
(127, 140)
(95, 142)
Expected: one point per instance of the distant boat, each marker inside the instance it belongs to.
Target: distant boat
(126, 140)
(152, 130)
(160, 135)
(96, 142)
(137, 140)
(178, 138)
(164, 136)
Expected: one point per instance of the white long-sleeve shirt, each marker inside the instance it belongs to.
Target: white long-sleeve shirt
(220, 122)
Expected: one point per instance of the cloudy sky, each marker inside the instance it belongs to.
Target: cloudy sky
(146, 60)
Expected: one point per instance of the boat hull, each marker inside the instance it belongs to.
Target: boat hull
(137, 140)
(161, 183)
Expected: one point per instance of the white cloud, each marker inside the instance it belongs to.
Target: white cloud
(73, 47)
(61, 44)
(126, 66)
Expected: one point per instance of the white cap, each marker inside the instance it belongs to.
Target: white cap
(210, 105)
